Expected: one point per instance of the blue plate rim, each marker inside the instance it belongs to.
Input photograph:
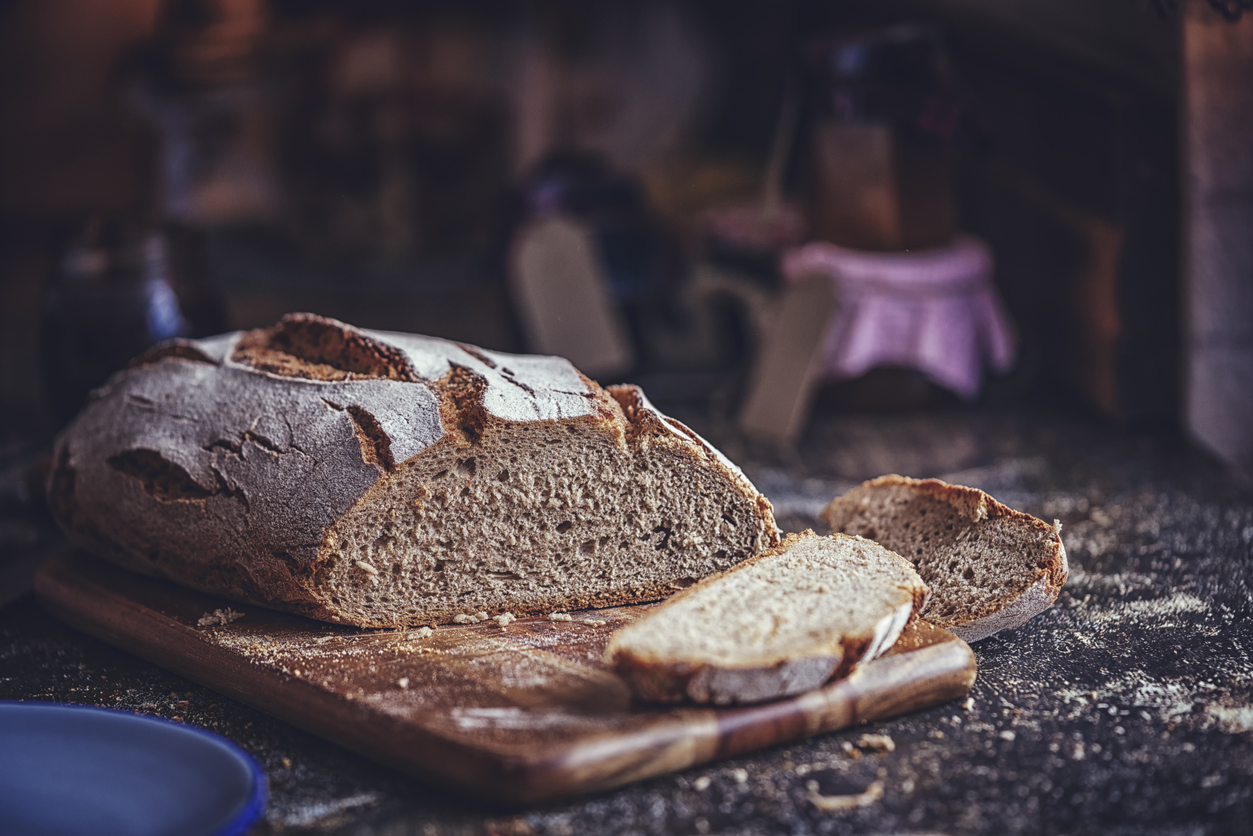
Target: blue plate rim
(253, 810)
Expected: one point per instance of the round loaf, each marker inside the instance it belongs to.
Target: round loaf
(383, 479)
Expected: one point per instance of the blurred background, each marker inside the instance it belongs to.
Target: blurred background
(758, 210)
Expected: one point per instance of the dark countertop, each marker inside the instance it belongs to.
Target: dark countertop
(1126, 708)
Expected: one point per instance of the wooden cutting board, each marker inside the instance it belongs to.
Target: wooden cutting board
(518, 714)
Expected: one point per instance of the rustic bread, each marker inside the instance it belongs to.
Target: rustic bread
(989, 567)
(383, 479)
(781, 623)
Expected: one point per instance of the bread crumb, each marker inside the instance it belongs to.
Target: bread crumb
(462, 618)
(361, 564)
(850, 750)
(1007, 735)
(403, 682)
(505, 619)
(702, 783)
(323, 640)
(594, 622)
(881, 742)
(421, 632)
(222, 617)
(969, 704)
(740, 775)
(845, 802)
(559, 616)
(287, 763)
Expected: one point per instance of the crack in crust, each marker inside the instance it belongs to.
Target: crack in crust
(376, 445)
(165, 481)
(317, 348)
(466, 388)
(177, 348)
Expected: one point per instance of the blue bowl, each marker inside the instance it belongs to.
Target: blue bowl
(82, 770)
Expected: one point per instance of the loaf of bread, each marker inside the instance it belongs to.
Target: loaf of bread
(778, 624)
(989, 567)
(383, 480)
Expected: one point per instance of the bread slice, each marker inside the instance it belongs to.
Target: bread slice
(781, 623)
(989, 567)
(383, 479)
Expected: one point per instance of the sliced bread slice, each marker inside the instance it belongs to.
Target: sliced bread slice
(780, 623)
(989, 567)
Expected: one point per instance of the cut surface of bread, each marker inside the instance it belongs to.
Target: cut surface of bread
(778, 624)
(989, 567)
(385, 480)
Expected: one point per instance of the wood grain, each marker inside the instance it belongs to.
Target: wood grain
(517, 715)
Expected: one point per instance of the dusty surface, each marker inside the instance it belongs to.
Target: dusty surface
(1127, 708)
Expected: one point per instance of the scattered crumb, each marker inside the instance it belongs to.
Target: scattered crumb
(323, 640)
(505, 619)
(850, 750)
(969, 704)
(403, 682)
(1007, 735)
(287, 763)
(740, 775)
(1233, 720)
(559, 616)
(466, 618)
(702, 783)
(222, 617)
(880, 742)
(845, 802)
(421, 632)
(594, 622)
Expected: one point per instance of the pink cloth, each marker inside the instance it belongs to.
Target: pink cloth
(933, 310)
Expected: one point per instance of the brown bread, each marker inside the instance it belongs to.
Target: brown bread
(989, 567)
(779, 624)
(383, 479)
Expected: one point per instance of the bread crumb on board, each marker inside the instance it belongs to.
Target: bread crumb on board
(594, 622)
(469, 618)
(881, 742)
(505, 619)
(222, 617)
(845, 802)
(559, 616)
(403, 682)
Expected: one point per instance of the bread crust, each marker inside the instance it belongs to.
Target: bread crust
(226, 464)
(665, 680)
(976, 507)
